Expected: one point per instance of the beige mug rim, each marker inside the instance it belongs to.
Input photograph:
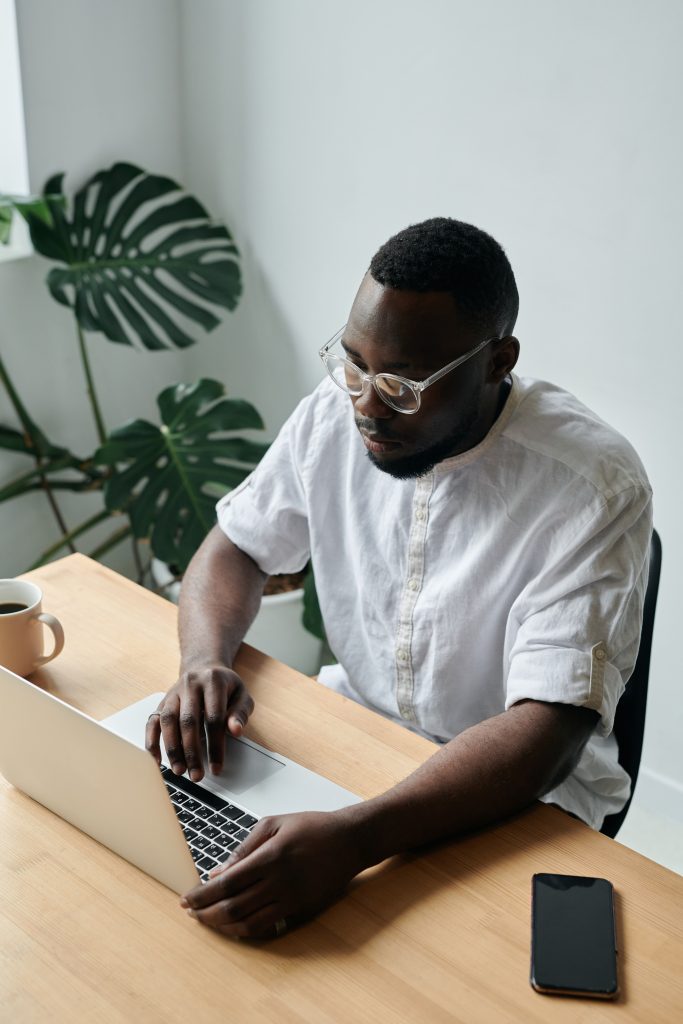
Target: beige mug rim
(19, 584)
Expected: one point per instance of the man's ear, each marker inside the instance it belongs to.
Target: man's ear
(504, 356)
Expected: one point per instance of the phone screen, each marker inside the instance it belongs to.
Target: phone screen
(573, 944)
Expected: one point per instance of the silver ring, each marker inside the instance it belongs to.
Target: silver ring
(280, 927)
(155, 714)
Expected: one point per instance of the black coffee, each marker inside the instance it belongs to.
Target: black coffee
(7, 607)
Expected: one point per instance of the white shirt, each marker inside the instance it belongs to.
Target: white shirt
(515, 570)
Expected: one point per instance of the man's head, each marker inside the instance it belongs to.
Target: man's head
(433, 292)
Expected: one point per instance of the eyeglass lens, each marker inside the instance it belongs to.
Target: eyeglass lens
(348, 377)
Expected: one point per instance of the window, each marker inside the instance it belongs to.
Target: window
(13, 163)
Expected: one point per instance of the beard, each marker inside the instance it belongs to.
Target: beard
(421, 463)
(463, 435)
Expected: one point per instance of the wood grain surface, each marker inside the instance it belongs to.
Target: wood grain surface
(439, 936)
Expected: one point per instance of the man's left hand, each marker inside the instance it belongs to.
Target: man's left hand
(290, 868)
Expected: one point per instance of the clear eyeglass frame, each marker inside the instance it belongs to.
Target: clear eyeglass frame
(389, 380)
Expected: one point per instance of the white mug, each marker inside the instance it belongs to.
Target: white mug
(21, 629)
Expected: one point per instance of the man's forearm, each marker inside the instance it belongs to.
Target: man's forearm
(220, 597)
(487, 773)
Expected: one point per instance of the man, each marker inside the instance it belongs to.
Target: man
(480, 547)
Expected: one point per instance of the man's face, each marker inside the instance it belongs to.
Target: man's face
(414, 334)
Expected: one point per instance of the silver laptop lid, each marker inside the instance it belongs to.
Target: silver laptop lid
(93, 778)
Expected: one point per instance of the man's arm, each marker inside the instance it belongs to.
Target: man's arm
(219, 599)
(483, 775)
(294, 865)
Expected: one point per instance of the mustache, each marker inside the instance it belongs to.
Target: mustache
(375, 427)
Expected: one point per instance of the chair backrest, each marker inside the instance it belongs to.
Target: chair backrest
(629, 721)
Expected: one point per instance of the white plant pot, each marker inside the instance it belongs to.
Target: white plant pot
(277, 630)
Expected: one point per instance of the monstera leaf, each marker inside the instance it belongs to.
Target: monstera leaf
(168, 478)
(143, 260)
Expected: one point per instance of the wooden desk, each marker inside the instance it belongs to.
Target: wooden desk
(443, 936)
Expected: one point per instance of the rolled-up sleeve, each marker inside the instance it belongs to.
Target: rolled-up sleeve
(574, 631)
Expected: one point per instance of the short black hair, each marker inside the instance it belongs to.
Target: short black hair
(446, 255)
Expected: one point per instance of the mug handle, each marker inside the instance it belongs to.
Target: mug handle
(58, 633)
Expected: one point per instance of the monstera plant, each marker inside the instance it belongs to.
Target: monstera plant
(139, 261)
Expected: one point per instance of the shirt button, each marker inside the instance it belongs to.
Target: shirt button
(413, 584)
(402, 654)
(420, 515)
(600, 655)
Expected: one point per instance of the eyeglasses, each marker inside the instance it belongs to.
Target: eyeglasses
(401, 394)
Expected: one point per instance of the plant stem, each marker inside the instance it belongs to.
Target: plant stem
(26, 423)
(16, 485)
(69, 536)
(22, 415)
(92, 394)
(57, 511)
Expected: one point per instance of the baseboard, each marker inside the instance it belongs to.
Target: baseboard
(659, 794)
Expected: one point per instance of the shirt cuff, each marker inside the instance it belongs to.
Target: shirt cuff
(248, 528)
(561, 675)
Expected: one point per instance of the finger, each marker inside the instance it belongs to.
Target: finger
(260, 925)
(223, 886)
(237, 873)
(192, 731)
(170, 731)
(215, 713)
(240, 707)
(264, 830)
(230, 911)
(152, 735)
(235, 878)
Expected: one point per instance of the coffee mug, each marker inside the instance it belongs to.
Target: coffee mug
(21, 629)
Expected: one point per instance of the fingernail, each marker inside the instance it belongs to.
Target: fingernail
(215, 768)
(196, 775)
(178, 768)
(191, 913)
(184, 903)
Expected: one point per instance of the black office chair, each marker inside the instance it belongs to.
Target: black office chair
(629, 721)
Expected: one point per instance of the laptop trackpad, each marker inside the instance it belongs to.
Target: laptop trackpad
(244, 767)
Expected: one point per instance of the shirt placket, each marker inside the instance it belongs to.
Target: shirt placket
(412, 585)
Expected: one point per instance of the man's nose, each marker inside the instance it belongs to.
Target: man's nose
(370, 405)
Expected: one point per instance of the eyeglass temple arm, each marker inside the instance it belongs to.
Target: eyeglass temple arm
(328, 344)
(422, 384)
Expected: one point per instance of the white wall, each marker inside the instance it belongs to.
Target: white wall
(100, 84)
(320, 127)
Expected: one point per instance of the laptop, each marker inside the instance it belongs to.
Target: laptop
(99, 777)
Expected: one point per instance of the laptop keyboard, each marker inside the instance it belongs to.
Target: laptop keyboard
(212, 826)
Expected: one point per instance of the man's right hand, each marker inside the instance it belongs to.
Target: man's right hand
(213, 696)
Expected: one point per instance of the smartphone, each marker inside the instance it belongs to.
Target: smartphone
(573, 936)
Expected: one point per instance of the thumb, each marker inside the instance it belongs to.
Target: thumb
(239, 709)
(260, 834)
